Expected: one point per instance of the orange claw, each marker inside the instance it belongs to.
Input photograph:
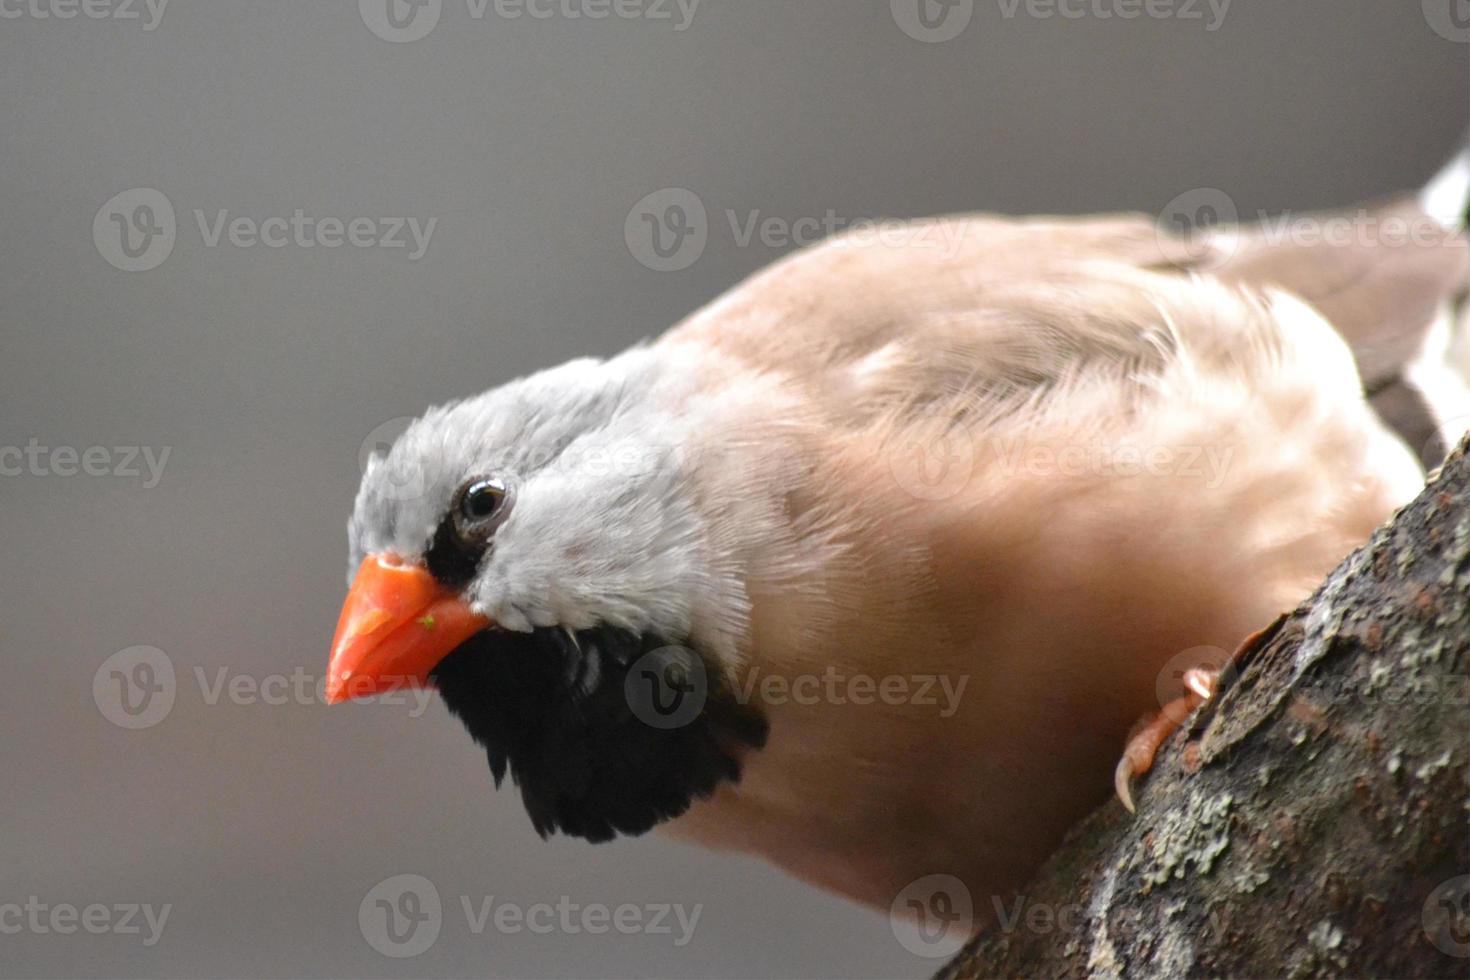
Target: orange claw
(1154, 729)
(396, 625)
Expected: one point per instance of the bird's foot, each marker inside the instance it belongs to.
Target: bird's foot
(1200, 685)
(1154, 728)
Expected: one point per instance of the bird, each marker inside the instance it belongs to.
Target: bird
(711, 585)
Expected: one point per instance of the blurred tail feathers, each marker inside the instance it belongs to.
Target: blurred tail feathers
(1446, 198)
(1395, 286)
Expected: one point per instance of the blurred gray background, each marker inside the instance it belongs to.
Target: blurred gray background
(260, 817)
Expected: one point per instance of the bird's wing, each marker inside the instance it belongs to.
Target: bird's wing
(1380, 274)
(963, 385)
(1387, 276)
(951, 304)
(1035, 455)
(1041, 456)
(947, 297)
(1044, 455)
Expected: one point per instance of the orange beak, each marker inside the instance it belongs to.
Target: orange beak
(396, 625)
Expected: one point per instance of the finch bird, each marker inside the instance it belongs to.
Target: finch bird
(868, 566)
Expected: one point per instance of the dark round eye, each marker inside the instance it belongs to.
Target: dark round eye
(481, 501)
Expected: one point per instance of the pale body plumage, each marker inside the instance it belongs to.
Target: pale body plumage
(756, 484)
(1059, 589)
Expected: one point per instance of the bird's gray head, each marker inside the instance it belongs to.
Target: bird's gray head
(538, 554)
(580, 514)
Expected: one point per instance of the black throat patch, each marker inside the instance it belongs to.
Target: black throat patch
(554, 708)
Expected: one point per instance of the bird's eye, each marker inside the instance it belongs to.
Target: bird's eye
(481, 502)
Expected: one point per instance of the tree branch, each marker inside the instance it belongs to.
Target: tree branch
(1313, 820)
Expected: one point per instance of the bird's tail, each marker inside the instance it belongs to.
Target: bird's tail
(1446, 198)
(1397, 298)
(1441, 372)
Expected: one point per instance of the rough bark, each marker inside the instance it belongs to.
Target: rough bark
(1313, 820)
